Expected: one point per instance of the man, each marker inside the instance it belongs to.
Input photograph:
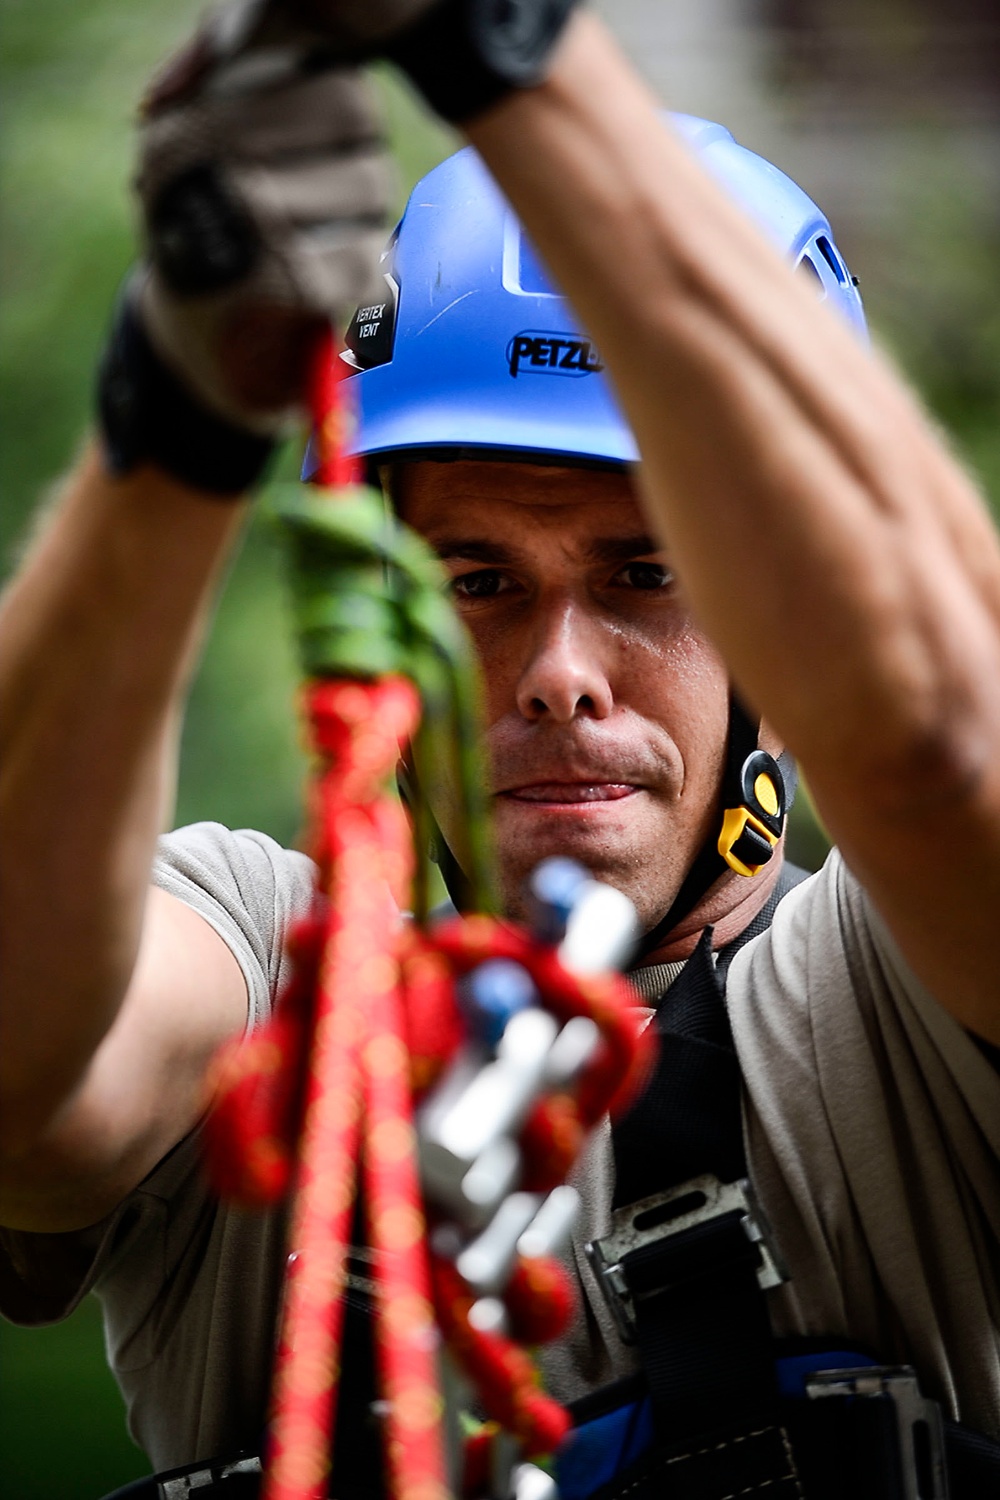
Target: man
(826, 544)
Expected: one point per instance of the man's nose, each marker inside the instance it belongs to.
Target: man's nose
(564, 675)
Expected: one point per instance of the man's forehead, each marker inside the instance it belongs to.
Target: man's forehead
(429, 493)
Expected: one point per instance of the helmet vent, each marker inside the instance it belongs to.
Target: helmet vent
(523, 273)
(832, 259)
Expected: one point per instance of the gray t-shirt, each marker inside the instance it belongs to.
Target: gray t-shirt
(872, 1124)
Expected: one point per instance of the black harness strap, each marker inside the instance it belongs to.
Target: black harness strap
(687, 1120)
(701, 1319)
(689, 1112)
(703, 1332)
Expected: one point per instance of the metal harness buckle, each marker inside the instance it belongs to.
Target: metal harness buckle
(919, 1427)
(216, 1473)
(670, 1213)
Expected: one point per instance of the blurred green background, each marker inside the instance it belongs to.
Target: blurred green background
(70, 76)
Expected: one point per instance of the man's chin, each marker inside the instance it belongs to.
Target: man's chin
(628, 864)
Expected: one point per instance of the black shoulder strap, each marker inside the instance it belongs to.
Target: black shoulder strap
(702, 1325)
(688, 1120)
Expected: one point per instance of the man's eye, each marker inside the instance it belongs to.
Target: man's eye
(645, 575)
(485, 583)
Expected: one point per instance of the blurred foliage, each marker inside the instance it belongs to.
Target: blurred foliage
(936, 302)
(62, 1432)
(70, 78)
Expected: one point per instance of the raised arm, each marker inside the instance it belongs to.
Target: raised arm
(838, 554)
(103, 985)
(264, 190)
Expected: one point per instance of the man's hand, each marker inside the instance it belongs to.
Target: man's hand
(264, 188)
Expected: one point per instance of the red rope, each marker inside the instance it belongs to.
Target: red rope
(333, 419)
(358, 1063)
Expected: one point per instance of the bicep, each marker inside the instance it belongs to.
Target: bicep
(145, 1087)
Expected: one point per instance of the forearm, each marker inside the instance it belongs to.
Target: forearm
(99, 631)
(832, 547)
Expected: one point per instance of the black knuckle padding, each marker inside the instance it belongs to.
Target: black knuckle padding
(147, 414)
(201, 238)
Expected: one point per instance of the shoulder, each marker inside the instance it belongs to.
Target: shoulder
(825, 1001)
(872, 1126)
(234, 865)
(245, 885)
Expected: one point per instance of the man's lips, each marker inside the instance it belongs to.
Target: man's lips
(571, 793)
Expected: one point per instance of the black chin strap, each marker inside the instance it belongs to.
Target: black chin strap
(746, 829)
(456, 882)
(454, 877)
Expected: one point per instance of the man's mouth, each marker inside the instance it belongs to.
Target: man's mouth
(570, 793)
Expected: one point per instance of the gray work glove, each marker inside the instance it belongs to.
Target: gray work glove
(264, 189)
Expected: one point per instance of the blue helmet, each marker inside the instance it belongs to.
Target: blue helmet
(474, 352)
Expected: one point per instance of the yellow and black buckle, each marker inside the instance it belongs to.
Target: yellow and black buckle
(751, 830)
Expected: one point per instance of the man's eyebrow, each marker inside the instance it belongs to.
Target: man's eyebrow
(621, 548)
(455, 548)
(605, 549)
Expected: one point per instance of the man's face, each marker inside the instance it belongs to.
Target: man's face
(606, 707)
